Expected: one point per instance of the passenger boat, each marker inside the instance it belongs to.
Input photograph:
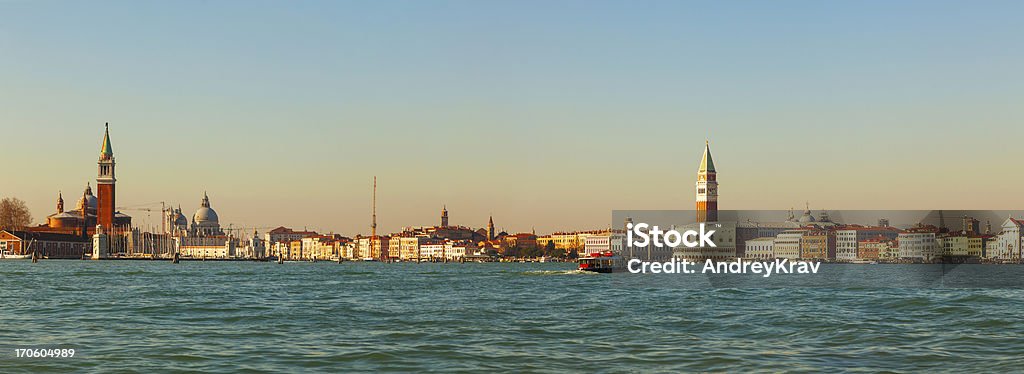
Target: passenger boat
(602, 262)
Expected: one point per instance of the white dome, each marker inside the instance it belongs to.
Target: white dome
(807, 217)
(205, 215)
(87, 197)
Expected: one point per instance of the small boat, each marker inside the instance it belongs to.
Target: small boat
(11, 256)
(602, 262)
(369, 259)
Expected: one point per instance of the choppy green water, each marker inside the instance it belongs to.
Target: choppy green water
(231, 317)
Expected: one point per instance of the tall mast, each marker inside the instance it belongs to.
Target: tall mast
(373, 225)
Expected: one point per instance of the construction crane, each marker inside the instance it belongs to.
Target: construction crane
(149, 211)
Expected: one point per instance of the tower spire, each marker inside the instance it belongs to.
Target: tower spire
(107, 151)
(490, 227)
(60, 202)
(707, 187)
(707, 163)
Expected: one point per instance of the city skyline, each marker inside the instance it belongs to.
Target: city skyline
(472, 110)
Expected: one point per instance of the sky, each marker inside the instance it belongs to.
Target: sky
(547, 115)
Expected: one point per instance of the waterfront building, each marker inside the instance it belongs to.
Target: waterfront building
(409, 246)
(286, 235)
(455, 250)
(889, 250)
(609, 242)
(787, 244)
(432, 249)
(313, 247)
(568, 241)
(918, 244)
(759, 248)
(848, 238)
(1010, 240)
(395, 247)
(377, 248)
(707, 188)
(818, 245)
(963, 244)
(871, 248)
(44, 244)
(349, 251)
(295, 250)
(878, 248)
(220, 247)
(523, 241)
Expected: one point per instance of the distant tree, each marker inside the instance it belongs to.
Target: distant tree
(530, 252)
(551, 251)
(14, 214)
(572, 254)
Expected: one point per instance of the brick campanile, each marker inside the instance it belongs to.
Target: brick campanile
(707, 188)
(105, 181)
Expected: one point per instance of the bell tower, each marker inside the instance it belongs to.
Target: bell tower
(444, 216)
(60, 202)
(707, 188)
(490, 228)
(105, 183)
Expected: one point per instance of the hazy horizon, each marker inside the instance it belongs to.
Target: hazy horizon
(530, 111)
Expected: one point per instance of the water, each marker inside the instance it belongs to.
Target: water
(237, 317)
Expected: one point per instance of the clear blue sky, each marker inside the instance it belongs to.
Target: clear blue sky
(529, 110)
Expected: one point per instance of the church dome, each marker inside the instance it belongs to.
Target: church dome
(87, 198)
(179, 219)
(807, 217)
(205, 214)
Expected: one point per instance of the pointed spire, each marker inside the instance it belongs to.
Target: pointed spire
(707, 164)
(60, 202)
(107, 150)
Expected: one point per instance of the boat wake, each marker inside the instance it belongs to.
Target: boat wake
(558, 272)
